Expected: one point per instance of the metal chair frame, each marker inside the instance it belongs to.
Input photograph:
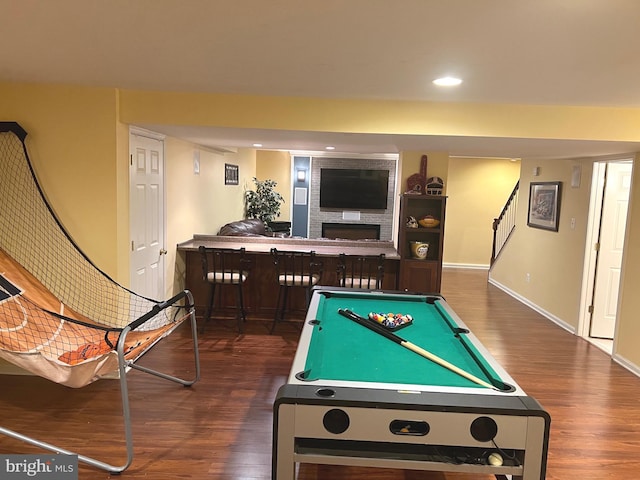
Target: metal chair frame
(124, 365)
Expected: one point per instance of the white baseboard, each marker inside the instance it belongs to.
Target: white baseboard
(623, 362)
(533, 306)
(468, 266)
(632, 367)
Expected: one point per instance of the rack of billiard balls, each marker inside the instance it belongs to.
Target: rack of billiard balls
(392, 321)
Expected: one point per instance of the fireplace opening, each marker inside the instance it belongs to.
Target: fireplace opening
(351, 231)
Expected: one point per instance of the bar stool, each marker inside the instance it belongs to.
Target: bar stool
(360, 271)
(225, 266)
(294, 270)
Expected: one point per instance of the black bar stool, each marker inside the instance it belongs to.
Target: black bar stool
(360, 271)
(294, 270)
(225, 266)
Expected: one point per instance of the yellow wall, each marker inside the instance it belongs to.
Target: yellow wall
(123, 236)
(77, 145)
(628, 327)
(553, 260)
(73, 144)
(199, 204)
(276, 165)
(377, 116)
(477, 190)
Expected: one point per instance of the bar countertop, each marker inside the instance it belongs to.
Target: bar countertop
(322, 246)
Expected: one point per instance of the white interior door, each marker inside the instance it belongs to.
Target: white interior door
(612, 231)
(147, 215)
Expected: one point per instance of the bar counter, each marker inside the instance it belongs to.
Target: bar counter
(261, 288)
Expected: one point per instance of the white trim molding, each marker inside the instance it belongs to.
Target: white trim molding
(466, 266)
(623, 362)
(535, 307)
(632, 367)
(143, 132)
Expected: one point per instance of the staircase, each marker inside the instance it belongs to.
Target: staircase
(504, 225)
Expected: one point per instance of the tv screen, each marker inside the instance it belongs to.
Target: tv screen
(354, 189)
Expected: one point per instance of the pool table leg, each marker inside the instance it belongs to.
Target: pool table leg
(283, 466)
(535, 452)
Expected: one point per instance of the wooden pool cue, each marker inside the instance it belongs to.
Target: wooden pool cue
(414, 348)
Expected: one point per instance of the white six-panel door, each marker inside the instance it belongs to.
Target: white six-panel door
(612, 233)
(147, 228)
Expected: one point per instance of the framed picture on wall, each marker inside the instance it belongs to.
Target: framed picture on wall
(231, 174)
(544, 205)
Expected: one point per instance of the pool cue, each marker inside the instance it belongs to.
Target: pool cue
(376, 327)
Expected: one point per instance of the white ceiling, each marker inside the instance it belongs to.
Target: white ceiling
(554, 52)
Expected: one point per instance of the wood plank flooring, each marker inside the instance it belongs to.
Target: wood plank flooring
(221, 427)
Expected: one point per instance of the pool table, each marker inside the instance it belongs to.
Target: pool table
(357, 397)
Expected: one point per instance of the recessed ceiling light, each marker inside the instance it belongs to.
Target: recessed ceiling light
(257, 144)
(447, 81)
(329, 148)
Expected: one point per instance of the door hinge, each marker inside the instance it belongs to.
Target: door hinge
(590, 309)
(596, 247)
(132, 247)
(131, 159)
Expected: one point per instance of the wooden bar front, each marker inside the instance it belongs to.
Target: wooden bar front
(261, 287)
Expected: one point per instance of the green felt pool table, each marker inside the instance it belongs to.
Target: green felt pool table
(356, 396)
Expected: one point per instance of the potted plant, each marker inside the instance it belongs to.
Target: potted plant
(263, 202)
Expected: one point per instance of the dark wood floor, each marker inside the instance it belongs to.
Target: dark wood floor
(221, 427)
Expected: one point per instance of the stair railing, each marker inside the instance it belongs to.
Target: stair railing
(504, 225)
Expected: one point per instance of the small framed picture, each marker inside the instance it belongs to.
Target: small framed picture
(544, 205)
(231, 174)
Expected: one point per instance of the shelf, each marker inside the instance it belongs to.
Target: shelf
(416, 274)
(423, 231)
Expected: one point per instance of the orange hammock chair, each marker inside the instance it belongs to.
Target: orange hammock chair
(61, 317)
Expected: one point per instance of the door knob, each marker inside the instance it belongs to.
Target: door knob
(163, 251)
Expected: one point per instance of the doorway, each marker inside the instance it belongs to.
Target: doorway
(146, 213)
(611, 186)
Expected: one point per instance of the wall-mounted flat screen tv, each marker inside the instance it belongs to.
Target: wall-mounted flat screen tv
(354, 189)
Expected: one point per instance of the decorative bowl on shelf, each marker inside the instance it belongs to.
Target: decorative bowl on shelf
(419, 250)
(428, 221)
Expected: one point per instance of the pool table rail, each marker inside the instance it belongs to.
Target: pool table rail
(495, 374)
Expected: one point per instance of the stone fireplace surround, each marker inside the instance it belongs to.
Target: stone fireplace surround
(318, 216)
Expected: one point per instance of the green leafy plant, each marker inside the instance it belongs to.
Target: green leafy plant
(263, 202)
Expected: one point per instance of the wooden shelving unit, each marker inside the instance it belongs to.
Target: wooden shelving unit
(421, 275)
